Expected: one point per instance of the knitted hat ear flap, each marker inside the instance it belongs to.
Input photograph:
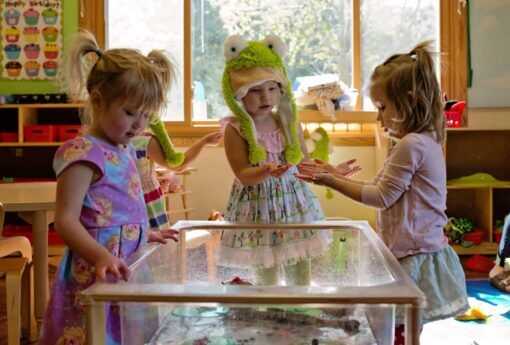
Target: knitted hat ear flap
(173, 158)
(256, 153)
(288, 119)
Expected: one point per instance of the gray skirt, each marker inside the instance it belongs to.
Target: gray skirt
(441, 278)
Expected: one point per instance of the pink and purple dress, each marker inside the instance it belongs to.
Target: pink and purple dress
(114, 214)
(275, 200)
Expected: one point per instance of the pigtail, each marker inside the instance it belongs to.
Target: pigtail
(412, 85)
(426, 88)
(166, 64)
(76, 67)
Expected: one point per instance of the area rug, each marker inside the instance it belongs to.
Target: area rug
(493, 331)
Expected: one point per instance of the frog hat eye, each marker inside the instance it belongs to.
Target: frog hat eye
(276, 44)
(233, 46)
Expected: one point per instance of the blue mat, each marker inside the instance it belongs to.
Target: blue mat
(483, 290)
(493, 331)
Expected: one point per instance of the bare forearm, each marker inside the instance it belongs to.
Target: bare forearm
(252, 176)
(192, 153)
(349, 188)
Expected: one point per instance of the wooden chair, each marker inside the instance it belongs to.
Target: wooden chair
(16, 263)
(196, 238)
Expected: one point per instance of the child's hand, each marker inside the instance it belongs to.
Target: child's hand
(113, 265)
(346, 170)
(318, 179)
(310, 167)
(276, 170)
(161, 236)
(317, 166)
(213, 138)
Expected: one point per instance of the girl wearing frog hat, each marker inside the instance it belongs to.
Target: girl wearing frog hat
(264, 143)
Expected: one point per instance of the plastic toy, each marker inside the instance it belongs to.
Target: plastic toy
(474, 313)
(482, 179)
(453, 112)
(456, 228)
(237, 281)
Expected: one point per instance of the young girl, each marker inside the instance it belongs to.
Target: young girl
(263, 143)
(153, 148)
(410, 190)
(100, 211)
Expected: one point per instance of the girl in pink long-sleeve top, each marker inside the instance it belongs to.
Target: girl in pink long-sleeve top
(410, 189)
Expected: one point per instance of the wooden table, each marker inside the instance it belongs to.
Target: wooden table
(34, 202)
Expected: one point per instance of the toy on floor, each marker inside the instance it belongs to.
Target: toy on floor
(474, 313)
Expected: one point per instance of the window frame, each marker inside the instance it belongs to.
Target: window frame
(453, 46)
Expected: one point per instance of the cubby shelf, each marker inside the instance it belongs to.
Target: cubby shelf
(470, 151)
(14, 117)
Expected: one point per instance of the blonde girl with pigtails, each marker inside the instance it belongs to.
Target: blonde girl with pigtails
(100, 211)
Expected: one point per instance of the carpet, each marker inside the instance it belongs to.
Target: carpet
(493, 331)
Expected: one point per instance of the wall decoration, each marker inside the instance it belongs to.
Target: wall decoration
(31, 39)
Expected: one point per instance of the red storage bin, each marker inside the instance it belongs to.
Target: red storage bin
(474, 236)
(67, 132)
(8, 137)
(46, 133)
(497, 236)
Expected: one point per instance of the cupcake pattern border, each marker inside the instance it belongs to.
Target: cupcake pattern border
(30, 39)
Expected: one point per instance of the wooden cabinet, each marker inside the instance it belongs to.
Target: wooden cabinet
(15, 117)
(468, 152)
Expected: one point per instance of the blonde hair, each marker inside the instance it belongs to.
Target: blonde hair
(410, 83)
(116, 74)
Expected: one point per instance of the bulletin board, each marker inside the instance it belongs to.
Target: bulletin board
(490, 54)
(32, 38)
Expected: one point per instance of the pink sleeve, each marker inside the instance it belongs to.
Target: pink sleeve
(396, 177)
(79, 149)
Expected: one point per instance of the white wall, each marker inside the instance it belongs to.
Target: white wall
(212, 181)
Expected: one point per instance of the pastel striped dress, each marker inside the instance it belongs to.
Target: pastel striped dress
(154, 200)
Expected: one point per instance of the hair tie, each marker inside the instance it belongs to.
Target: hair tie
(99, 53)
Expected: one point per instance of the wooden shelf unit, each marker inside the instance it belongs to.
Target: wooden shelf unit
(13, 117)
(478, 151)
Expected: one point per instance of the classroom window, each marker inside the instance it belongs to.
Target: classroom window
(320, 34)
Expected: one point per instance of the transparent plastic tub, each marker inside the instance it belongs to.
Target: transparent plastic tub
(171, 298)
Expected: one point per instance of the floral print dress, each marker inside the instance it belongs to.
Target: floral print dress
(275, 200)
(114, 214)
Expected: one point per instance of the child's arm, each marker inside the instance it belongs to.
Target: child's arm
(156, 153)
(350, 188)
(390, 183)
(72, 186)
(317, 166)
(236, 149)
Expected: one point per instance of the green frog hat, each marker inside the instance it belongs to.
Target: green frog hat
(251, 63)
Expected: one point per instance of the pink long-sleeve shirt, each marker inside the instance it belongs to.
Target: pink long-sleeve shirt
(410, 195)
